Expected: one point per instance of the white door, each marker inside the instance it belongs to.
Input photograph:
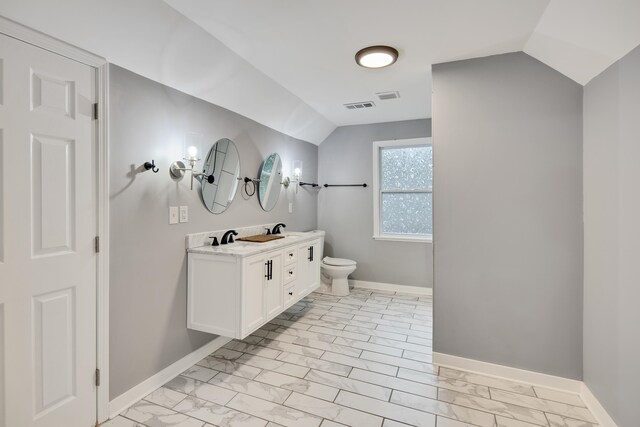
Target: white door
(47, 229)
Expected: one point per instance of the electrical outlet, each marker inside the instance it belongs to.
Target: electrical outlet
(184, 213)
(173, 215)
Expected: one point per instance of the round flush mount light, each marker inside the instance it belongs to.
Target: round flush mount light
(376, 56)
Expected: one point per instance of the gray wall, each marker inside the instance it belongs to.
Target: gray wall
(148, 261)
(346, 214)
(612, 238)
(507, 135)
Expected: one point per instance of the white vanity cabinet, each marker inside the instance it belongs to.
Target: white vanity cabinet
(235, 292)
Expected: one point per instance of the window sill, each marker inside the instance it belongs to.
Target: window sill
(402, 238)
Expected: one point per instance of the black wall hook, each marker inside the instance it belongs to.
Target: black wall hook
(151, 166)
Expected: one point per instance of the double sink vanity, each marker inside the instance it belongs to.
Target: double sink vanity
(236, 288)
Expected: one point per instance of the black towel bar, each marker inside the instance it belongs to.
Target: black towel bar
(345, 185)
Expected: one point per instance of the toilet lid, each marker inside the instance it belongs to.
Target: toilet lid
(339, 262)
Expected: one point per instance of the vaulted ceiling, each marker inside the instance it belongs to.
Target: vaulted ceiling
(289, 64)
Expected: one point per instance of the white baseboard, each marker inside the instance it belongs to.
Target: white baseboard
(529, 377)
(507, 372)
(416, 290)
(598, 411)
(128, 398)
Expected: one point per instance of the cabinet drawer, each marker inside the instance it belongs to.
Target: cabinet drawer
(290, 256)
(289, 295)
(290, 273)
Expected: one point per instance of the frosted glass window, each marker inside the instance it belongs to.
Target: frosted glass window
(408, 168)
(405, 185)
(407, 213)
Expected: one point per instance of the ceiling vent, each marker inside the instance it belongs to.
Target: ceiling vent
(359, 105)
(383, 96)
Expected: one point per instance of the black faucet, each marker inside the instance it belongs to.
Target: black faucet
(276, 228)
(228, 237)
(215, 241)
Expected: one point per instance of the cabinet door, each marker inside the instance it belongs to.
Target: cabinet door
(303, 279)
(309, 257)
(313, 267)
(273, 285)
(253, 314)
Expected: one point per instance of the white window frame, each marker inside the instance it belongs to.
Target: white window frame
(377, 207)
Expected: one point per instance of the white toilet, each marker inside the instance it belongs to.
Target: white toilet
(334, 274)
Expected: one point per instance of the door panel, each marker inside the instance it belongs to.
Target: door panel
(54, 349)
(54, 96)
(53, 198)
(47, 228)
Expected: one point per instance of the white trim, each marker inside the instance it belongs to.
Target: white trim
(596, 408)
(404, 238)
(377, 235)
(416, 290)
(507, 372)
(128, 398)
(43, 41)
(102, 294)
(529, 377)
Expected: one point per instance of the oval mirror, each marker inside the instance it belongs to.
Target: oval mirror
(223, 163)
(270, 178)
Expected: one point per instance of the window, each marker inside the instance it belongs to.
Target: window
(403, 187)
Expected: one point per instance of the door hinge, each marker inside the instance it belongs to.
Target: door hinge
(97, 244)
(97, 377)
(95, 111)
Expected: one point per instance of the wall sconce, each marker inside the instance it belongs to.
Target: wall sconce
(178, 168)
(297, 170)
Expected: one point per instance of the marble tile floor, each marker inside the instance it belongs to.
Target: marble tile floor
(360, 360)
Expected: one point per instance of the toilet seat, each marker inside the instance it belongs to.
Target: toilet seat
(338, 262)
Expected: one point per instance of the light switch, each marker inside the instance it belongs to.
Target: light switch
(173, 215)
(184, 213)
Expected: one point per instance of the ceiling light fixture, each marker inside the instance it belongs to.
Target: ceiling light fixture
(376, 56)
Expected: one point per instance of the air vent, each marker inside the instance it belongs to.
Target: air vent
(359, 105)
(383, 96)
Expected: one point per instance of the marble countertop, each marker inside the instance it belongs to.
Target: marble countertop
(244, 249)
